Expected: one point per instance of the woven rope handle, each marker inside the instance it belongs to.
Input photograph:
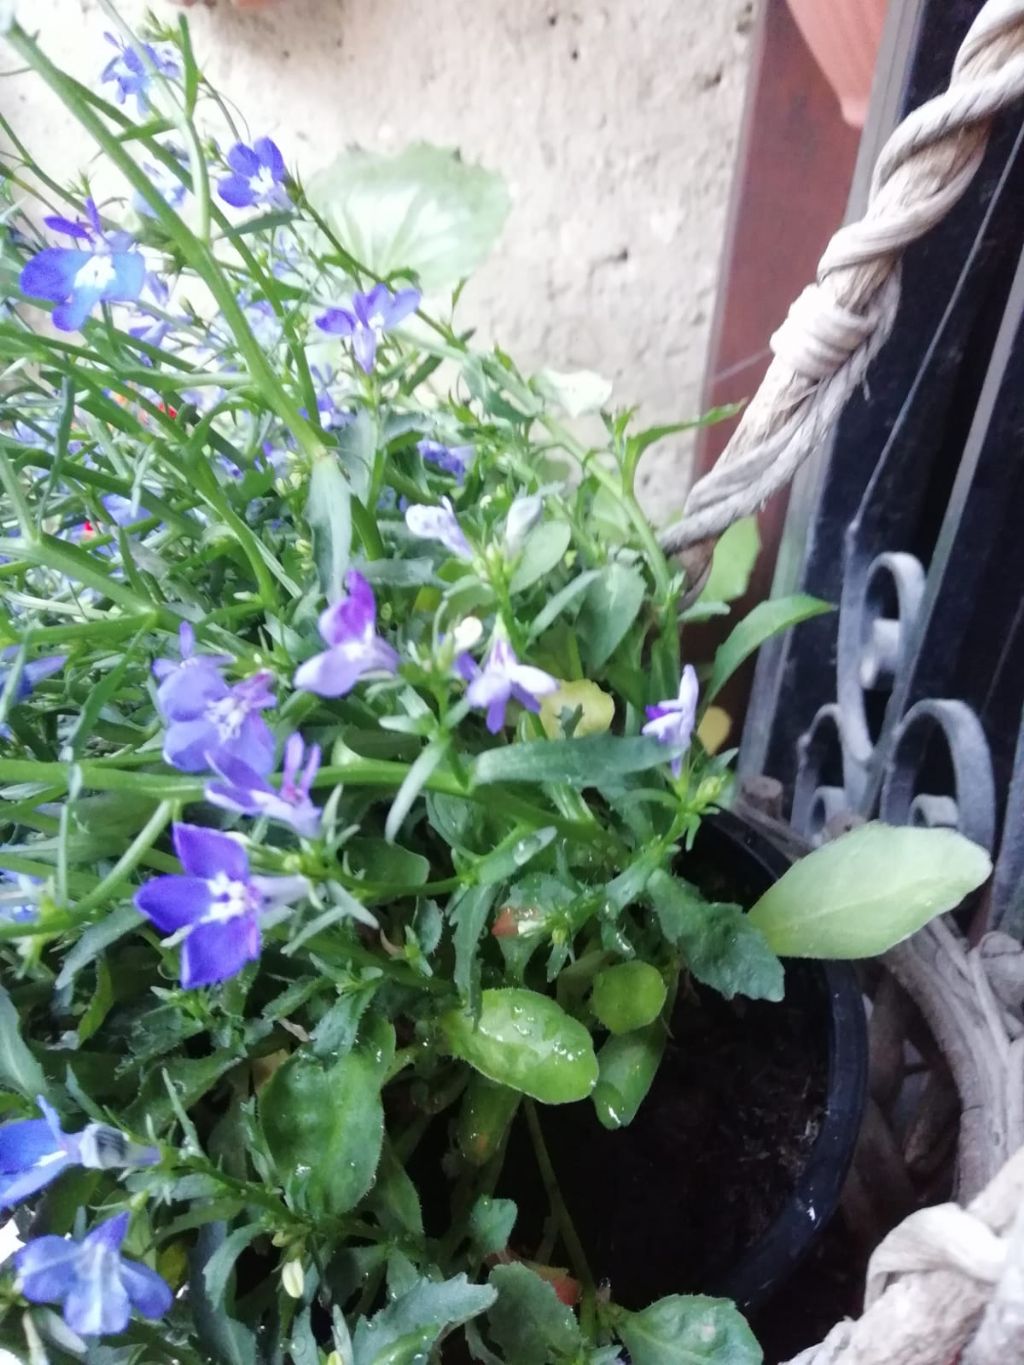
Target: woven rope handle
(838, 324)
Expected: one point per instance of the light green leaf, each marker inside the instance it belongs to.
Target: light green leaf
(469, 913)
(628, 996)
(217, 1270)
(512, 855)
(525, 1041)
(324, 1125)
(423, 209)
(422, 1313)
(553, 608)
(627, 1064)
(868, 890)
(689, 1329)
(766, 619)
(329, 513)
(588, 762)
(387, 864)
(610, 607)
(490, 1224)
(19, 1070)
(529, 1322)
(412, 784)
(722, 947)
(357, 447)
(733, 563)
(576, 392)
(542, 550)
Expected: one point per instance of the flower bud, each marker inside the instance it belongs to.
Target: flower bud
(293, 1279)
(523, 516)
(467, 633)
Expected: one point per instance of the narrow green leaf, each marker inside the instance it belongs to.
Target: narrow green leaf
(217, 1270)
(733, 562)
(329, 513)
(468, 913)
(587, 762)
(541, 552)
(417, 776)
(611, 606)
(422, 1313)
(627, 1065)
(554, 607)
(766, 619)
(19, 1070)
(689, 1329)
(868, 890)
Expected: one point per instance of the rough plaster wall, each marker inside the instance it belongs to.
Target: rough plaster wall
(614, 123)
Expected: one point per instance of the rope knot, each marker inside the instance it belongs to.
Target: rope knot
(819, 335)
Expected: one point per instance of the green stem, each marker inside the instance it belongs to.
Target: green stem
(129, 860)
(566, 1227)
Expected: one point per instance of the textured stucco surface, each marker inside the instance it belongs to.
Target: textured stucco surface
(614, 124)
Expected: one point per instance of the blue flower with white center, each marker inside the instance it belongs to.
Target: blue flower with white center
(170, 187)
(368, 319)
(210, 722)
(132, 72)
(33, 1152)
(671, 722)
(439, 523)
(214, 909)
(257, 177)
(247, 793)
(95, 1284)
(19, 897)
(175, 674)
(31, 674)
(501, 680)
(354, 647)
(454, 460)
(77, 278)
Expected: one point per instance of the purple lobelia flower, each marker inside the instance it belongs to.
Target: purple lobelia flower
(132, 74)
(257, 176)
(439, 523)
(454, 460)
(19, 897)
(369, 317)
(33, 1152)
(214, 909)
(247, 793)
(210, 723)
(501, 680)
(671, 722)
(31, 674)
(99, 270)
(96, 1285)
(354, 647)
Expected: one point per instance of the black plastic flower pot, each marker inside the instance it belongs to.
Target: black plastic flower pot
(736, 1159)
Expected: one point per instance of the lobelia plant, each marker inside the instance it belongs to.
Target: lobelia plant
(263, 511)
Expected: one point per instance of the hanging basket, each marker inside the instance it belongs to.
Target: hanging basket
(844, 36)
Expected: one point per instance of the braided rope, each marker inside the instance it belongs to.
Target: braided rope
(836, 327)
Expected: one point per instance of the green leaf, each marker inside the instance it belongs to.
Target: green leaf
(553, 608)
(329, 513)
(689, 1329)
(223, 1338)
(357, 447)
(422, 1313)
(394, 1198)
(423, 210)
(868, 890)
(542, 551)
(386, 864)
(19, 1070)
(628, 996)
(485, 1113)
(525, 1041)
(588, 762)
(512, 855)
(490, 1224)
(627, 1064)
(734, 559)
(529, 1321)
(412, 784)
(217, 1270)
(576, 392)
(324, 1125)
(609, 609)
(722, 947)
(468, 913)
(766, 619)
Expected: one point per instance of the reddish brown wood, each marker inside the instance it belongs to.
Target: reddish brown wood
(789, 194)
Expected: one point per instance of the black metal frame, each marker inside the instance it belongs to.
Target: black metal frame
(907, 702)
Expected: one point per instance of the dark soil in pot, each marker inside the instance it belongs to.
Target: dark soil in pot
(671, 1203)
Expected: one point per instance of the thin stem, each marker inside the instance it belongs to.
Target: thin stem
(566, 1227)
